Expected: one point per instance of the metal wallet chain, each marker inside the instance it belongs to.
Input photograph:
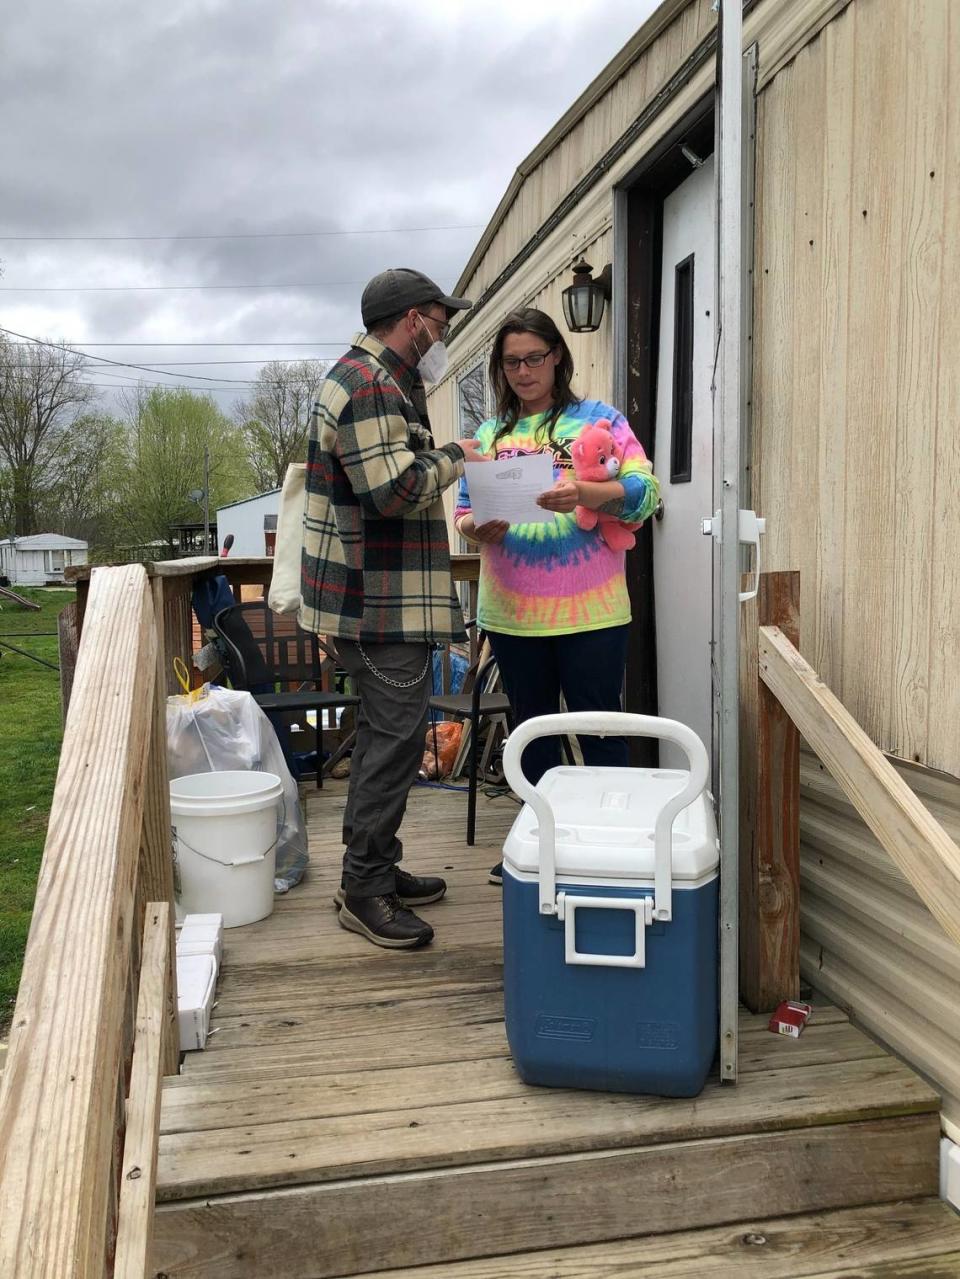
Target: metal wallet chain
(385, 679)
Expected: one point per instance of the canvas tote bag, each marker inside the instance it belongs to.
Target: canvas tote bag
(284, 594)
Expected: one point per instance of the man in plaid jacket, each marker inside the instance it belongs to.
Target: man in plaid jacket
(376, 575)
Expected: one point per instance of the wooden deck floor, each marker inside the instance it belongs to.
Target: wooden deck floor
(356, 1109)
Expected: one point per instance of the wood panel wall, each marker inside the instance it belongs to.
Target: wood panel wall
(857, 381)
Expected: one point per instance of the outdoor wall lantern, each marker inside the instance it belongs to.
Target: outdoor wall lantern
(583, 300)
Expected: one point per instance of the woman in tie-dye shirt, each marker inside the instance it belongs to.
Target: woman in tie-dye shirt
(553, 597)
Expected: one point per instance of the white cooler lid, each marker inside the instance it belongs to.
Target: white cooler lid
(605, 819)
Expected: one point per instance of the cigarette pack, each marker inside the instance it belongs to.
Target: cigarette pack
(790, 1017)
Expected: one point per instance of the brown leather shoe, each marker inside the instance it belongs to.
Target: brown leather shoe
(384, 921)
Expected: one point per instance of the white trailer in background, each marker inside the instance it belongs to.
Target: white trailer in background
(40, 559)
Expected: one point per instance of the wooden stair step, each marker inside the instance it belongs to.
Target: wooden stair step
(365, 1224)
(430, 1025)
(473, 1066)
(379, 1139)
(918, 1238)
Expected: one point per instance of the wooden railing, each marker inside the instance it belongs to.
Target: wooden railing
(783, 699)
(94, 1028)
(97, 1005)
(907, 830)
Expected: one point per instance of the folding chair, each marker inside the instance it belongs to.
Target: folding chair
(264, 650)
(472, 708)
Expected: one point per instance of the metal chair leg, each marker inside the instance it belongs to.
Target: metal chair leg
(319, 747)
(472, 787)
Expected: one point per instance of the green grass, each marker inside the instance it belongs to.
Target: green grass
(30, 734)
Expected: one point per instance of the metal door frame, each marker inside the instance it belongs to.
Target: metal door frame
(635, 337)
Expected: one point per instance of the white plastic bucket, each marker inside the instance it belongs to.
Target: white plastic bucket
(225, 843)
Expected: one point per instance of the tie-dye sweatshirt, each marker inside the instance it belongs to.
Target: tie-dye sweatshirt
(556, 578)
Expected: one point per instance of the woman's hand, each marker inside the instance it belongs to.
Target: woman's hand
(563, 497)
(493, 532)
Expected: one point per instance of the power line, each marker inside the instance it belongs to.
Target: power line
(126, 380)
(341, 343)
(255, 235)
(162, 386)
(171, 288)
(206, 364)
(120, 364)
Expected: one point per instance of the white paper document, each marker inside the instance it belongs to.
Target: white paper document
(508, 488)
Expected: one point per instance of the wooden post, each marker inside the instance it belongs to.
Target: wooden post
(156, 855)
(68, 633)
(770, 817)
(172, 601)
(139, 1164)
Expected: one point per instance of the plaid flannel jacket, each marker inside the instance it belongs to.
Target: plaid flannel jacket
(376, 559)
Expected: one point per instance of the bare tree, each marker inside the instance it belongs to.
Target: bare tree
(90, 480)
(41, 395)
(275, 418)
(472, 394)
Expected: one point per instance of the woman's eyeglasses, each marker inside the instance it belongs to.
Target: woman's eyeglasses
(511, 363)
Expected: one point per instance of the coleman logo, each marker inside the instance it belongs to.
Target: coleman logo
(547, 1027)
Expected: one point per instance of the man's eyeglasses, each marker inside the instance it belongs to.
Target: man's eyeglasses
(442, 328)
(511, 363)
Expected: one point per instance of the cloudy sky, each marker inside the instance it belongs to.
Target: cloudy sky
(197, 142)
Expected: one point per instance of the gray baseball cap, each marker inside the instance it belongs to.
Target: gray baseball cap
(399, 289)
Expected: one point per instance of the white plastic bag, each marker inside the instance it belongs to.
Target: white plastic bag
(284, 594)
(224, 729)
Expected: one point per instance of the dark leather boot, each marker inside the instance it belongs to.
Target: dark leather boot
(384, 921)
(413, 890)
(419, 890)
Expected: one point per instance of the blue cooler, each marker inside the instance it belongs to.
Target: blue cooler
(610, 934)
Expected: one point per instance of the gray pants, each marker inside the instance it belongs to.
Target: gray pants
(391, 726)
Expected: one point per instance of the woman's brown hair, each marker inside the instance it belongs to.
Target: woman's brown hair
(509, 409)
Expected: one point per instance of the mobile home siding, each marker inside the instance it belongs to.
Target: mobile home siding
(868, 942)
(245, 521)
(857, 384)
(856, 466)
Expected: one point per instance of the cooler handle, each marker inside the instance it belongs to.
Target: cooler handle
(567, 907)
(607, 724)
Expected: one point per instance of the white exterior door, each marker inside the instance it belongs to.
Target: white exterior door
(683, 459)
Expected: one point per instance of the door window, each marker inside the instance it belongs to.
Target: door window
(681, 431)
(472, 399)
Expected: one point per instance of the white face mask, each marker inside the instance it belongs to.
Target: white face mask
(434, 362)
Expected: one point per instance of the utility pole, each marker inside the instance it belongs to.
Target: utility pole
(206, 501)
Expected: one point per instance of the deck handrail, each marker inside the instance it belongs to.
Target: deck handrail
(107, 850)
(911, 835)
(172, 583)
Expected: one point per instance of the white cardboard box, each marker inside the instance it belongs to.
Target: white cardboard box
(215, 919)
(196, 938)
(196, 983)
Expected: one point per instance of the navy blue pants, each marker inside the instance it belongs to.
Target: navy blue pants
(587, 668)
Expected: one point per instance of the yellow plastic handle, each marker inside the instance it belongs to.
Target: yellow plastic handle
(182, 674)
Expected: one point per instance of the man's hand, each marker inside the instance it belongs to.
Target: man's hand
(563, 497)
(472, 451)
(494, 531)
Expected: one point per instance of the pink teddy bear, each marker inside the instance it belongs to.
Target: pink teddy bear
(595, 457)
